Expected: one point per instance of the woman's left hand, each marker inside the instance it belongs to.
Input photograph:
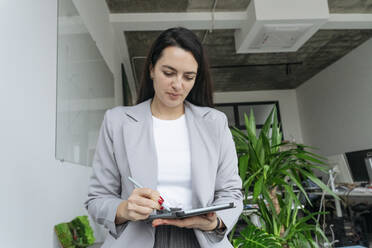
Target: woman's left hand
(206, 222)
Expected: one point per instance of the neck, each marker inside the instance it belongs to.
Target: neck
(164, 112)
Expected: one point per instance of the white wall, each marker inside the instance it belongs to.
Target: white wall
(36, 190)
(335, 106)
(287, 105)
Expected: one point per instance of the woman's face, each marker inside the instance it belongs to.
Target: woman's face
(173, 76)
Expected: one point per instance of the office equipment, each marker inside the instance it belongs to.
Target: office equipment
(347, 177)
(352, 167)
(357, 164)
(179, 213)
(340, 165)
(368, 162)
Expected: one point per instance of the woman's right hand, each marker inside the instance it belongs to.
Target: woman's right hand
(139, 205)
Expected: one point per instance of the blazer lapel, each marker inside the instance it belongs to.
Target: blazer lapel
(200, 157)
(140, 146)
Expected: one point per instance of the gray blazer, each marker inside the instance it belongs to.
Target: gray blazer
(126, 148)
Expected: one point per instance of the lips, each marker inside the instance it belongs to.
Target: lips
(174, 96)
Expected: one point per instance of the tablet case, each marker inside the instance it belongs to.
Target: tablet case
(179, 213)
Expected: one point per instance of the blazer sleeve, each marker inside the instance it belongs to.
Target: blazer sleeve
(105, 183)
(228, 182)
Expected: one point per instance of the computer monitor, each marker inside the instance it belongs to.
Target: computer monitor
(358, 165)
(343, 174)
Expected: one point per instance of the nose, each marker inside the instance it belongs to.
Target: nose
(177, 83)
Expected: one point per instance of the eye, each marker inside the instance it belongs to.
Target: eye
(168, 73)
(189, 78)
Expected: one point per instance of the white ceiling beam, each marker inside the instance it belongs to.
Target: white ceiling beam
(222, 20)
(190, 20)
(125, 59)
(348, 21)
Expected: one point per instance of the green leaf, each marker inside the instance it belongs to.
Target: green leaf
(298, 184)
(312, 154)
(258, 188)
(266, 127)
(251, 129)
(309, 158)
(253, 237)
(238, 133)
(243, 166)
(265, 149)
(249, 181)
(255, 162)
(260, 151)
(266, 169)
(275, 129)
(319, 183)
(252, 122)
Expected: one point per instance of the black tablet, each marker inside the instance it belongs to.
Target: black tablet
(179, 214)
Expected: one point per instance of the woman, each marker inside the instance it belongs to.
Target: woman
(174, 144)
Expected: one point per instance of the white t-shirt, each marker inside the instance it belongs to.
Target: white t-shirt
(174, 161)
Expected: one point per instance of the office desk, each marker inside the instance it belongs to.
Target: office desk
(358, 191)
(355, 192)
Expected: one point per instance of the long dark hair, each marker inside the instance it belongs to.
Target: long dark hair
(202, 92)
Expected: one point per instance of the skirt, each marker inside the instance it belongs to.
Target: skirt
(175, 237)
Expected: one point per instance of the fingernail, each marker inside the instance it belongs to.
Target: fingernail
(161, 208)
(160, 202)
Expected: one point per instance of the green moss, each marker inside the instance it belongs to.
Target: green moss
(64, 235)
(77, 233)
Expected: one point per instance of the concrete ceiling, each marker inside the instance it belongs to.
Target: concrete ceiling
(350, 6)
(244, 72)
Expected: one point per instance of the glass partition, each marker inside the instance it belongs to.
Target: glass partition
(85, 88)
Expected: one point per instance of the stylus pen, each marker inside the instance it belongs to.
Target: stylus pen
(140, 186)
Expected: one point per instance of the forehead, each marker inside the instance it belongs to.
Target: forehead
(178, 58)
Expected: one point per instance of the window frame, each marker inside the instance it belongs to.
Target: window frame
(236, 105)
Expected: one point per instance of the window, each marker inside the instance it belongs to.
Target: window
(235, 112)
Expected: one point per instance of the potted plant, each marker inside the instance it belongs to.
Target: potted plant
(272, 172)
(76, 233)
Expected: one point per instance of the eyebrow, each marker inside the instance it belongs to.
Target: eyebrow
(173, 69)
